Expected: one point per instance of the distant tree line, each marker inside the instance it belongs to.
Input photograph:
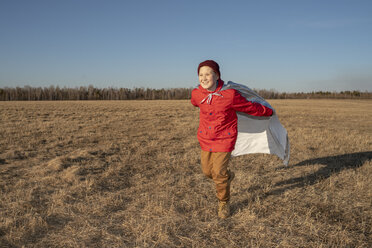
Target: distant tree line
(51, 93)
(273, 94)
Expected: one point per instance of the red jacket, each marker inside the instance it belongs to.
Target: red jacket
(217, 130)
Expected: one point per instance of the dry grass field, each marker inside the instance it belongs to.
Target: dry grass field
(127, 174)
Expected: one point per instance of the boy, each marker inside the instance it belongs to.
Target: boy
(217, 130)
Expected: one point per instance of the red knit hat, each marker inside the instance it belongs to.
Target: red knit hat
(212, 64)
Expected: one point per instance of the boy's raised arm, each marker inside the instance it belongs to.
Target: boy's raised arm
(252, 108)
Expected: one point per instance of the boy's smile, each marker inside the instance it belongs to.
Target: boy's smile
(208, 78)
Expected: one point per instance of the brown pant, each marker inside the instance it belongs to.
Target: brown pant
(214, 166)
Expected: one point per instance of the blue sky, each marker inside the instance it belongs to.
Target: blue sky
(288, 46)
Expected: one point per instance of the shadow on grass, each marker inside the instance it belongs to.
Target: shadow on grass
(332, 165)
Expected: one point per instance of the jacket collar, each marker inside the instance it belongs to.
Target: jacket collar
(210, 94)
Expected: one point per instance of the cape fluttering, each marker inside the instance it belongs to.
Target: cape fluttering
(259, 134)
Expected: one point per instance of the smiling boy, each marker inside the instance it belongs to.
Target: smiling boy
(217, 130)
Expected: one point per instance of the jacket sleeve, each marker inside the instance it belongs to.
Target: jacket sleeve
(252, 108)
(193, 102)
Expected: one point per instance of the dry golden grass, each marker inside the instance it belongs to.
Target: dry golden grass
(127, 174)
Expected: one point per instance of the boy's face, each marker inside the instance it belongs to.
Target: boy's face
(207, 78)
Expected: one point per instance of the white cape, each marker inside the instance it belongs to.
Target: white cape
(259, 134)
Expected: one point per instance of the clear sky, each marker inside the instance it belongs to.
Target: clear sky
(289, 46)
